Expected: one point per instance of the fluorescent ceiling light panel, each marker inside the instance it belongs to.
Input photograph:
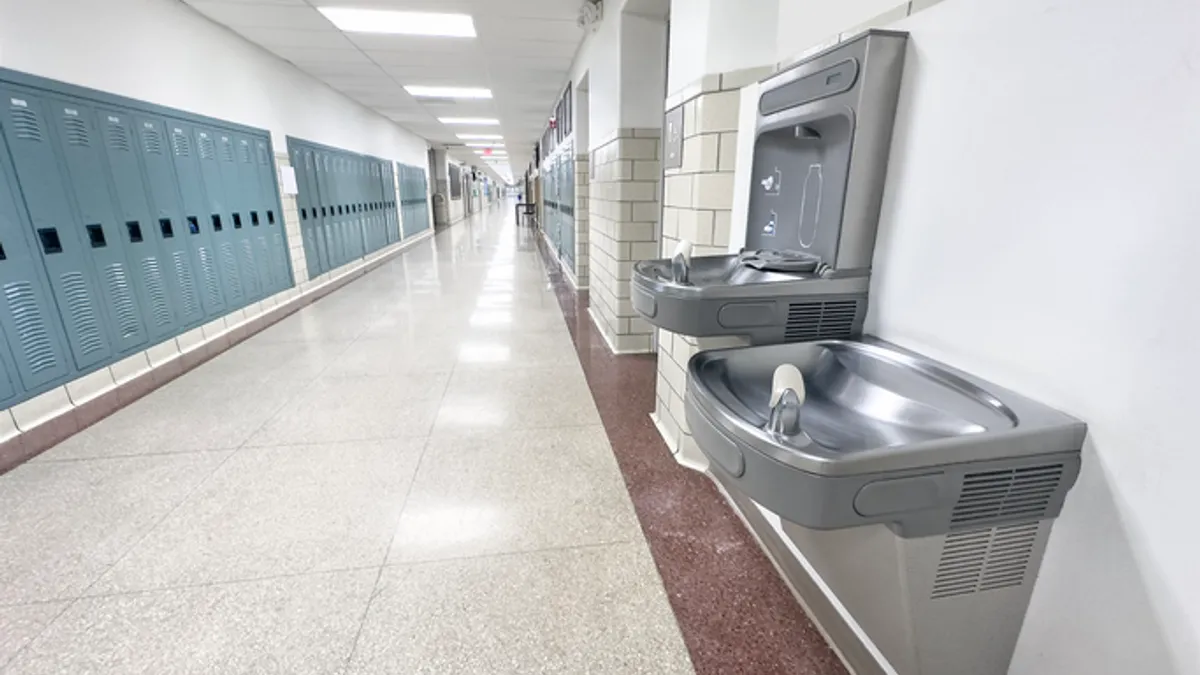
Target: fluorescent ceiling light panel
(480, 137)
(449, 92)
(494, 152)
(481, 121)
(485, 145)
(352, 20)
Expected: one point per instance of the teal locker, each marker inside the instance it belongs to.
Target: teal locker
(317, 215)
(259, 234)
(239, 182)
(28, 317)
(311, 228)
(217, 214)
(273, 237)
(186, 157)
(135, 225)
(69, 268)
(81, 150)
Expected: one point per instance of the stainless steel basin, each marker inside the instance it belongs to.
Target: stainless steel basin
(874, 413)
(724, 297)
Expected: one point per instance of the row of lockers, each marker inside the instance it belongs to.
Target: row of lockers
(558, 198)
(123, 224)
(347, 204)
(414, 200)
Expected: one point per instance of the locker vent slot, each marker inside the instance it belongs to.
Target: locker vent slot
(244, 151)
(76, 131)
(208, 149)
(248, 263)
(230, 268)
(181, 144)
(83, 316)
(211, 289)
(984, 560)
(118, 287)
(156, 291)
(183, 272)
(31, 326)
(821, 320)
(226, 150)
(152, 141)
(118, 137)
(25, 123)
(1008, 494)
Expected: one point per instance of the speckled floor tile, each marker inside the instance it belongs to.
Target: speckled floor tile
(333, 409)
(597, 609)
(516, 399)
(62, 524)
(302, 625)
(495, 492)
(280, 510)
(20, 624)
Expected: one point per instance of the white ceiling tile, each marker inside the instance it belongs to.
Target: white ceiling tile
(238, 15)
(547, 30)
(284, 37)
(301, 56)
(414, 43)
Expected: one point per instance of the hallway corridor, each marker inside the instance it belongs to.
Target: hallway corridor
(408, 476)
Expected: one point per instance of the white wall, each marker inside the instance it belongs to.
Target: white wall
(1041, 227)
(804, 23)
(689, 42)
(643, 71)
(164, 52)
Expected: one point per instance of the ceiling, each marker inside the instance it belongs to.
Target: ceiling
(522, 53)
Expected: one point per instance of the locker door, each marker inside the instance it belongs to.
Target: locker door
(310, 217)
(331, 193)
(273, 236)
(237, 253)
(317, 215)
(32, 332)
(71, 275)
(241, 186)
(82, 151)
(135, 225)
(217, 215)
(193, 230)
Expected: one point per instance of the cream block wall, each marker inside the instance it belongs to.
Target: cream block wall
(623, 210)
(582, 229)
(698, 206)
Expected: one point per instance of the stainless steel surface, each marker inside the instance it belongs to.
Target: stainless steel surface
(785, 416)
(723, 276)
(872, 406)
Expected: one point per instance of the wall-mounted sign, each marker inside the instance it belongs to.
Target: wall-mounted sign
(673, 139)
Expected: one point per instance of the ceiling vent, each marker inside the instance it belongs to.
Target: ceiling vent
(590, 14)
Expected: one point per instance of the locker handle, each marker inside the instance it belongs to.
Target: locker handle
(51, 242)
(193, 224)
(270, 217)
(237, 221)
(216, 222)
(254, 218)
(96, 236)
(135, 231)
(322, 211)
(303, 214)
(168, 231)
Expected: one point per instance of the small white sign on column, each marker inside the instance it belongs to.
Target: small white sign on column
(287, 180)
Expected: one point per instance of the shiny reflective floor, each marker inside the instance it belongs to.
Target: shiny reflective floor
(408, 476)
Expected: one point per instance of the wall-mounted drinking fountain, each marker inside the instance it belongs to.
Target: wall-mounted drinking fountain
(921, 496)
(822, 138)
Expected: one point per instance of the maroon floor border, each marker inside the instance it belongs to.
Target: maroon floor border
(735, 613)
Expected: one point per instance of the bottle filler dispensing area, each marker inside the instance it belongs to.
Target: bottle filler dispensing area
(822, 137)
(907, 502)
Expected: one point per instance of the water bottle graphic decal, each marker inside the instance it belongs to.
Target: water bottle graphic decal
(810, 205)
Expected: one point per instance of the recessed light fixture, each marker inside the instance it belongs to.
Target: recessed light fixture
(449, 92)
(494, 152)
(480, 137)
(485, 145)
(481, 121)
(354, 20)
